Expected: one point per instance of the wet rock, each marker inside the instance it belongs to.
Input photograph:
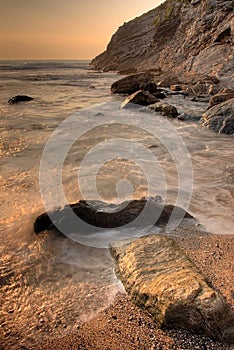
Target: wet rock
(221, 97)
(220, 117)
(165, 109)
(141, 97)
(113, 216)
(131, 83)
(19, 98)
(164, 282)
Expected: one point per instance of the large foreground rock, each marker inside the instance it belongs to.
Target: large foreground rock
(220, 117)
(164, 282)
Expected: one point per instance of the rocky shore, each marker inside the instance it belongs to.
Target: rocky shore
(185, 299)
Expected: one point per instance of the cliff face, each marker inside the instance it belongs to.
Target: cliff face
(185, 37)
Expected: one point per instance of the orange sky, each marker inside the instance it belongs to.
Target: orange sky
(63, 29)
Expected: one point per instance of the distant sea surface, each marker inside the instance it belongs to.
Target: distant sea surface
(48, 283)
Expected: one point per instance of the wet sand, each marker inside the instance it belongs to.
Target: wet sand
(124, 326)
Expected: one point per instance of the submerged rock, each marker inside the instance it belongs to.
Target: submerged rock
(164, 282)
(143, 98)
(19, 98)
(220, 117)
(100, 214)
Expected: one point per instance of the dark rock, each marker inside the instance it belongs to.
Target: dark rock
(132, 83)
(143, 98)
(160, 95)
(117, 216)
(160, 278)
(19, 98)
(150, 87)
(220, 117)
(165, 109)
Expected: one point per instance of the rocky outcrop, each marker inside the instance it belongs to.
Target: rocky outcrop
(19, 98)
(220, 117)
(164, 282)
(181, 37)
(100, 214)
(141, 97)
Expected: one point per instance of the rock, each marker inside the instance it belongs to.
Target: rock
(165, 109)
(132, 83)
(220, 117)
(220, 98)
(150, 87)
(143, 98)
(118, 216)
(168, 80)
(176, 88)
(159, 95)
(19, 98)
(181, 37)
(201, 89)
(166, 284)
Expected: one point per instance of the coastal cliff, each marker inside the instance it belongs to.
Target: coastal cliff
(185, 37)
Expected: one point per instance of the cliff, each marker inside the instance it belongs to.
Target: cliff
(186, 37)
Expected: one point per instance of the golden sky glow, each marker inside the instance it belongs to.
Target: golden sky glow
(63, 29)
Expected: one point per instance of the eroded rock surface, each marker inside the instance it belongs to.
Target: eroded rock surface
(164, 282)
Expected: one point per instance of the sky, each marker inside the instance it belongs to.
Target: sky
(63, 29)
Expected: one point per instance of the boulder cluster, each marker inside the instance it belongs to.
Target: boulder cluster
(148, 89)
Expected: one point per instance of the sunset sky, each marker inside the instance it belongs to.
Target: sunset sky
(75, 29)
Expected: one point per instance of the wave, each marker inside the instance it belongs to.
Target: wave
(36, 65)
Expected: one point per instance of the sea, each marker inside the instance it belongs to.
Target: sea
(72, 142)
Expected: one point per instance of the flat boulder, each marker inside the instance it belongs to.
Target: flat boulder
(164, 282)
(220, 117)
(19, 98)
(141, 97)
(132, 83)
(165, 109)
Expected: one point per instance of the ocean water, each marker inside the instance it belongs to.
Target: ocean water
(71, 142)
